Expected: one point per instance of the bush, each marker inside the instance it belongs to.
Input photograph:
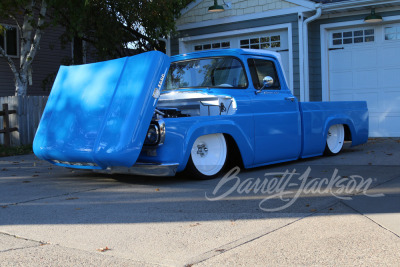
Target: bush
(13, 151)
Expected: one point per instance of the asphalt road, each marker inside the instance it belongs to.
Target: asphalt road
(280, 215)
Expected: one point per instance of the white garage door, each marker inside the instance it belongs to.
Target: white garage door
(275, 41)
(364, 64)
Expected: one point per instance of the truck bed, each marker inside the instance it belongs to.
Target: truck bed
(317, 117)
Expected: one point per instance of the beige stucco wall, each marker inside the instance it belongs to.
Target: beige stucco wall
(239, 7)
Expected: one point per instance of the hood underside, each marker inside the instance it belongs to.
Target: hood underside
(99, 113)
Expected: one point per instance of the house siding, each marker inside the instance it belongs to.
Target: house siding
(292, 19)
(314, 46)
(200, 12)
(47, 62)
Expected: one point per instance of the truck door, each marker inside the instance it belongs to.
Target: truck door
(276, 114)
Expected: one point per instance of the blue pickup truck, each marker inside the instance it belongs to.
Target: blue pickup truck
(201, 112)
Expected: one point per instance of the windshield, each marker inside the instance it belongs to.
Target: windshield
(218, 72)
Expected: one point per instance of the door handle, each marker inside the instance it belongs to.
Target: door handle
(290, 98)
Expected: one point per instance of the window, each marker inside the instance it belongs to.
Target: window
(350, 37)
(218, 72)
(9, 40)
(392, 33)
(263, 42)
(213, 45)
(260, 68)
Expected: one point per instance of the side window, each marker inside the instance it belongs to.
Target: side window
(8, 40)
(260, 68)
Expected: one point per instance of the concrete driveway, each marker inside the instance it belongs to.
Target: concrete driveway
(291, 215)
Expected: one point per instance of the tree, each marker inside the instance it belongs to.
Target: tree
(110, 27)
(30, 32)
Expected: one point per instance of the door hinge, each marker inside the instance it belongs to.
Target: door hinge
(336, 48)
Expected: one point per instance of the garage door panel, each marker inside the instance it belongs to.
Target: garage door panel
(341, 96)
(366, 79)
(390, 125)
(374, 124)
(389, 56)
(364, 58)
(371, 98)
(341, 80)
(391, 102)
(341, 60)
(390, 77)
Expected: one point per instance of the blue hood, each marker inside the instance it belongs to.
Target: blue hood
(99, 113)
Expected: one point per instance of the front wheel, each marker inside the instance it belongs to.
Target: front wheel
(334, 139)
(208, 156)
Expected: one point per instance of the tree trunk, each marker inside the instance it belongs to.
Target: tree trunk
(29, 46)
(21, 85)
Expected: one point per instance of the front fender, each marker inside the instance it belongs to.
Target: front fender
(244, 139)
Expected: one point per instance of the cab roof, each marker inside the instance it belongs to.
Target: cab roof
(226, 52)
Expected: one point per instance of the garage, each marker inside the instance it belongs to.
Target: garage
(364, 64)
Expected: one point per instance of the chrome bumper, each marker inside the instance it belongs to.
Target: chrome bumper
(147, 169)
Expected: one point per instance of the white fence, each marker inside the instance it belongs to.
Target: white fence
(29, 111)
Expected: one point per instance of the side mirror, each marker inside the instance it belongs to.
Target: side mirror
(267, 82)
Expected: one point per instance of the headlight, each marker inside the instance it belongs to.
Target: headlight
(153, 135)
(156, 133)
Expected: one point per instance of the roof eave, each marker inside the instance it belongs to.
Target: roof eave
(343, 5)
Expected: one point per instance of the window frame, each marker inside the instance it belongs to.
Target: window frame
(270, 42)
(164, 90)
(5, 40)
(277, 88)
(211, 43)
(353, 37)
(384, 27)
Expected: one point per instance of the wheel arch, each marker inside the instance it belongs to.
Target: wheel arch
(348, 125)
(231, 131)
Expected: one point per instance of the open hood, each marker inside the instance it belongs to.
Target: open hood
(97, 115)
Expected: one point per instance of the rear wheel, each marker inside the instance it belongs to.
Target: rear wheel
(334, 139)
(208, 156)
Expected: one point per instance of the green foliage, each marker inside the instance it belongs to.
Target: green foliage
(13, 151)
(110, 26)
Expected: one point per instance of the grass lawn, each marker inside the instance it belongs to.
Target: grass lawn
(17, 150)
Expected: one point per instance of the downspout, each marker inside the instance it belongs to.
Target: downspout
(306, 70)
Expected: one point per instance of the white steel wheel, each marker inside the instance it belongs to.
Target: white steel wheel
(334, 139)
(208, 155)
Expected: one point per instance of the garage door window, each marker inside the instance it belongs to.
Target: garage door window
(213, 45)
(353, 37)
(263, 42)
(392, 33)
